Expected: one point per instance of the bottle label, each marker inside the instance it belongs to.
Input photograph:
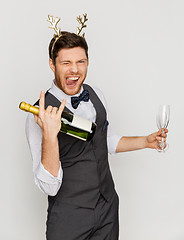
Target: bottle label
(81, 123)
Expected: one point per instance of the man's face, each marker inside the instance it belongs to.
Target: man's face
(70, 69)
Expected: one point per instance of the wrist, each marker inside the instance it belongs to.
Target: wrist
(146, 142)
(49, 136)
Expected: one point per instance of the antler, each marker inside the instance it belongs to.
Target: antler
(54, 22)
(82, 23)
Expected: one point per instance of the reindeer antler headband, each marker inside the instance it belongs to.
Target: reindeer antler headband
(55, 20)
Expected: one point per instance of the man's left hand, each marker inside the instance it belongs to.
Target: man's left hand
(153, 138)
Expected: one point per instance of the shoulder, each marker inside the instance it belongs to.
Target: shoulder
(98, 93)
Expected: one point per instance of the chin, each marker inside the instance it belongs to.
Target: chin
(72, 91)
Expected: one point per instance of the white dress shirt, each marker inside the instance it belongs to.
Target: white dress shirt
(43, 179)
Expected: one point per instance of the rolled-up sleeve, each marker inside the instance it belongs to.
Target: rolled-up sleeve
(46, 182)
(112, 140)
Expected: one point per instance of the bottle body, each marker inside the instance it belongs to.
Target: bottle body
(77, 126)
(71, 124)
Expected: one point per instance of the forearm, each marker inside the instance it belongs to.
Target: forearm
(131, 143)
(49, 120)
(50, 154)
(45, 181)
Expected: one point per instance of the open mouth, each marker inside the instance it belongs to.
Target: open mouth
(72, 81)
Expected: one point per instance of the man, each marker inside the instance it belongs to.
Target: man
(83, 203)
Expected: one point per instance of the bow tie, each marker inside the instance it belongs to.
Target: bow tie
(84, 96)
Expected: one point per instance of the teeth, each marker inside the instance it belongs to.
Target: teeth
(73, 78)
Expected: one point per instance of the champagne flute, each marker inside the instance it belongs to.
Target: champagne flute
(162, 119)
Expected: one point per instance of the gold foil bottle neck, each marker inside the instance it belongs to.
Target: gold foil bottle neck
(29, 108)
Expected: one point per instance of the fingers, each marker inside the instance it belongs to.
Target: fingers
(162, 132)
(160, 139)
(159, 132)
(164, 135)
(49, 109)
(42, 102)
(55, 110)
(60, 110)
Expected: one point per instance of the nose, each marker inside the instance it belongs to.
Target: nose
(74, 68)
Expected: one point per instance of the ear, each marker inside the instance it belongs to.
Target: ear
(51, 64)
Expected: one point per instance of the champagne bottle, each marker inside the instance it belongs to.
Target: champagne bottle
(71, 124)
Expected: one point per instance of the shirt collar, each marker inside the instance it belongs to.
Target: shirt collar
(60, 95)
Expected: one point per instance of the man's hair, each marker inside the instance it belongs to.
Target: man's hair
(67, 40)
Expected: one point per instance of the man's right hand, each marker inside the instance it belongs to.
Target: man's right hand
(49, 120)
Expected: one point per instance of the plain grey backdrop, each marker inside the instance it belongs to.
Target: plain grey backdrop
(136, 58)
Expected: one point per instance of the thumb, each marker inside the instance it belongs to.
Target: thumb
(159, 132)
(36, 118)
